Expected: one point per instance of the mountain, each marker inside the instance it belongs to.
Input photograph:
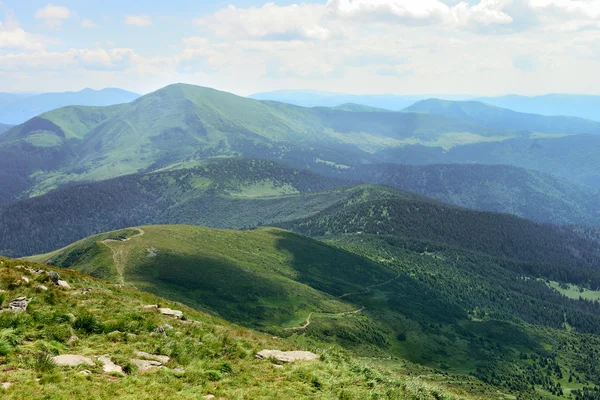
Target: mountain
(245, 193)
(570, 157)
(501, 188)
(227, 193)
(582, 106)
(305, 98)
(501, 118)
(199, 355)
(4, 128)
(383, 297)
(16, 109)
(184, 123)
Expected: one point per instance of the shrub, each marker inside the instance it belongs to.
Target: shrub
(213, 375)
(42, 362)
(87, 323)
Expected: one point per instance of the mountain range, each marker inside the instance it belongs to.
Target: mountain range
(4, 128)
(581, 106)
(18, 108)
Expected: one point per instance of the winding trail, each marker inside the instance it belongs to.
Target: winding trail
(120, 255)
(367, 290)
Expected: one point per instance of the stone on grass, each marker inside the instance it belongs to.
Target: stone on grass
(54, 277)
(108, 366)
(160, 331)
(145, 365)
(151, 307)
(172, 313)
(287, 356)
(85, 372)
(72, 360)
(25, 279)
(209, 396)
(63, 284)
(42, 287)
(19, 304)
(154, 357)
(6, 385)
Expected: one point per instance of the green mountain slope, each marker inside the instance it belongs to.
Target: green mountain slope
(206, 356)
(378, 296)
(501, 118)
(499, 188)
(224, 193)
(182, 122)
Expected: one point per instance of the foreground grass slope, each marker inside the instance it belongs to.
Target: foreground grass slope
(208, 356)
(378, 296)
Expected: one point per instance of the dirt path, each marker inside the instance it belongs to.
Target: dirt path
(120, 255)
(370, 287)
(367, 290)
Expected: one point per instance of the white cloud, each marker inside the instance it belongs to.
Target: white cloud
(138, 20)
(53, 16)
(88, 23)
(12, 37)
(271, 22)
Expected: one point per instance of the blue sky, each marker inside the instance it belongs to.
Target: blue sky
(479, 47)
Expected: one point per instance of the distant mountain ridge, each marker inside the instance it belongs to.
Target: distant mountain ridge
(501, 118)
(4, 128)
(582, 106)
(18, 108)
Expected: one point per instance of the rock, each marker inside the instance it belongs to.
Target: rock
(42, 287)
(6, 385)
(277, 366)
(72, 340)
(108, 366)
(72, 360)
(85, 372)
(145, 365)
(172, 313)
(168, 327)
(154, 357)
(160, 330)
(25, 279)
(19, 304)
(63, 284)
(3, 291)
(179, 371)
(54, 277)
(131, 335)
(209, 396)
(287, 356)
(151, 307)
(19, 267)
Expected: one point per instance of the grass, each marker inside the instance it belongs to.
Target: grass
(217, 357)
(575, 292)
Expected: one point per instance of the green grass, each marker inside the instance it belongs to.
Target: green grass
(575, 292)
(217, 357)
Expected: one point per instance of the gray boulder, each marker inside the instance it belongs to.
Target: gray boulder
(19, 304)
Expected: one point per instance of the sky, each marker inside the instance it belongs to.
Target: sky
(477, 47)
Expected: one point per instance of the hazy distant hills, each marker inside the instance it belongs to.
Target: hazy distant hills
(583, 106)
(307, 98)
(4, 128)
(18, 108)
(502, 118)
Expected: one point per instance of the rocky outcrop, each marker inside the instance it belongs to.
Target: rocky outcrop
(153, 357)
(19, 304)
(72, 360)
(108, 366)
(145, 365)
(169, 312)
(287, 356)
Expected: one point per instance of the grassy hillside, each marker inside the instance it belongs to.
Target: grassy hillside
(182, 122)
(499, 188)
(501, 118)
(377, 296)
(208, 356)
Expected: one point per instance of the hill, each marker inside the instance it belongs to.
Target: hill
(4, 128)
(18, 108)
(306, 98)
(183, 123)
(499, 188)
(570, 157)
(225, 193)
(377, 296)
(101, 325)
(501, 118)
(582, 106)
